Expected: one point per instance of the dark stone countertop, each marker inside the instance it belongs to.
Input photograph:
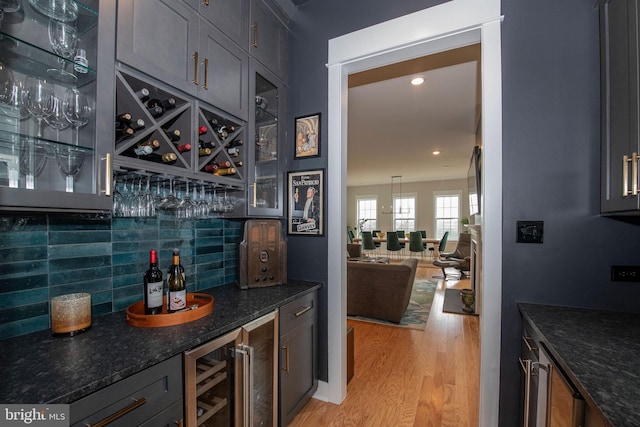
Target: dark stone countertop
(599, 351)
(40, 368)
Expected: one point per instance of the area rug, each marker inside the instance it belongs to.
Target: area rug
(453, 303)
(417, 313)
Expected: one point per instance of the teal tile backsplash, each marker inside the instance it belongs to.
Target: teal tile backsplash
(42, 256)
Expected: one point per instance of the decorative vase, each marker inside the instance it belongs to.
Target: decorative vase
(468, 297)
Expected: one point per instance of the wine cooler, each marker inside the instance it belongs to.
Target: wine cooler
(232, 380)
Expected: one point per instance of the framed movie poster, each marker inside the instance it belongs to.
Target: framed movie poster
(306, 211)
(307, 135)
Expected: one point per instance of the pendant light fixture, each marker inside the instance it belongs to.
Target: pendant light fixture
(390, 209)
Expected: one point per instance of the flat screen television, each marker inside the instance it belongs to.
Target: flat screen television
(474, 181)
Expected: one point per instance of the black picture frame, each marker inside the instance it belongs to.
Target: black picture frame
(305, 213)
(307, 142)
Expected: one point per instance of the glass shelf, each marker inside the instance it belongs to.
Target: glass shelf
(9, 141)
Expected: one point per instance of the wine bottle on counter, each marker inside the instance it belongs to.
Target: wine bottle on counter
(173, 135)
(183, 147)
(167, 158)
(176, 287)
(153, 286)
(142, 94)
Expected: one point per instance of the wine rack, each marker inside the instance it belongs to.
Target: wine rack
(210, 373)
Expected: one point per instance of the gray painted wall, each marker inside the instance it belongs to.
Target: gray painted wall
(551, 160)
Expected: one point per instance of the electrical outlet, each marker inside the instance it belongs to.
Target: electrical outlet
(625, 273)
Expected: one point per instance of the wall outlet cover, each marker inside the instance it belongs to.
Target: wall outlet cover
(530, 231)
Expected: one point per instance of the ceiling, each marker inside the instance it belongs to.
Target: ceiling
(393, 126)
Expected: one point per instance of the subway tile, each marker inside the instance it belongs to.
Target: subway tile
(79, 276)
(24, 326)
(27, 268)
(76, 237)
(57, 265)
(21, 312)
(79, 250)
(15, 254)
(24, 283)
(23, 298)
(23, 239)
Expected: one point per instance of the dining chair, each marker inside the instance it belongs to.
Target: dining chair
(415, 243)
(375, 233)
(423, 234)
(401, 235)
(367, 242)
(393, 244)
(350, 235)
(443, 244)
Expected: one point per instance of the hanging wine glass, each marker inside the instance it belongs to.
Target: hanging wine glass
(77, 110)
(38, 99)
(57, 120)
(63, 37)
(9, 6)
(170, 203)
(69, 161)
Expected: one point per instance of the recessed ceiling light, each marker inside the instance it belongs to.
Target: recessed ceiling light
(417, 81)
(435, 153)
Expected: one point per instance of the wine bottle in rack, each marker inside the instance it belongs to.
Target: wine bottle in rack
(153, 143)
(238, 164)
(143, 151)
(183, 147)
(124, 118)
(156, 111)
(206, 144)
(233, 151)
(165, 104)
(123, 133)
(173, 134)
(235, 143)
(225, 171)
(202, 130)
(224, 164)
(211, 167)
(204, 152)
(142, 94)
(221, 131)
(137, 124)
(167, 158)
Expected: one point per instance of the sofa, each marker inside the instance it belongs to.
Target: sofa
(380, 291)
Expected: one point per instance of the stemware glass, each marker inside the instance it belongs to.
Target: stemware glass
(38, 100)
(69, 161)
(9, 6)
(147, 202)
(57, 120)
(170, 203)
(63, 37)
(77, 110)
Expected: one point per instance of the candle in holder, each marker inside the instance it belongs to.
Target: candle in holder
(70, 314)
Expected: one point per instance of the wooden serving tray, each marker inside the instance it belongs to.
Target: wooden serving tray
(136, 317)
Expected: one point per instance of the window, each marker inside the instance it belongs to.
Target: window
(366, 208)
(448, 214)
(404, 213)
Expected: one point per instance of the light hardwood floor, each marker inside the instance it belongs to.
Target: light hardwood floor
(405, 377)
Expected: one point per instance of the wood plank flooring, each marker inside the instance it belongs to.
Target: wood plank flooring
(405, 377)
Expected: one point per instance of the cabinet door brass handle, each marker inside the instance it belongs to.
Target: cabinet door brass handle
(122, 412)
(206, 73)
(286, 358)
(195, 67)
(303, 311)
(107, 174)
(179, 422)
(255, 194)
(634, 174)
(254, 27)
(625, 175)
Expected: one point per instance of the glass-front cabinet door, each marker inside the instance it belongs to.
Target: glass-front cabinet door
(265, 183)
(53, 121)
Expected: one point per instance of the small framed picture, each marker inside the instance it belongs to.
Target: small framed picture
(306, 210)
(307, 134)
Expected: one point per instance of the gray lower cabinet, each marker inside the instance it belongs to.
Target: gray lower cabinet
(152, 397)
(620, 91)
(298, 355)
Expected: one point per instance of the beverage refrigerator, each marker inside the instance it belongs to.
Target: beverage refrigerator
(233, 380)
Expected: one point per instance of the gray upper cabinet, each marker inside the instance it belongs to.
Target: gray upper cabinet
(268, 37)
(160, 38)
(171, 42)
(55, 149)
(620, 153)
(230, 16)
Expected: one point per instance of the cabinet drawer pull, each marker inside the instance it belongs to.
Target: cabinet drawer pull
(206, 73)
(286, 358)
(254, 27)
(122, 412)
(195, 67)
(526, 340)
(303, 311)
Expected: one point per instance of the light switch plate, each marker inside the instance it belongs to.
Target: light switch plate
(530, 231)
